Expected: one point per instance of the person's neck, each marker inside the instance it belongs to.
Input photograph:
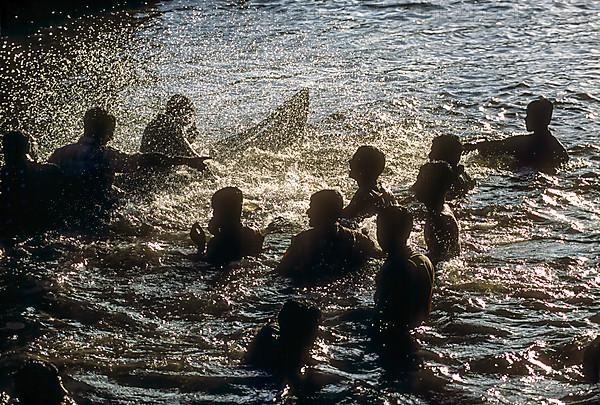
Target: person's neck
(541, 132)
(436, 205)
(367, 185)
(401, 251)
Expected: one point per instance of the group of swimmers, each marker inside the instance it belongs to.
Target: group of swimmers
(78, 180)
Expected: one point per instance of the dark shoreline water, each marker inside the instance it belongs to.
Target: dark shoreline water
(129, 320)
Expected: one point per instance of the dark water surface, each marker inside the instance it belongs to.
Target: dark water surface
(131, 320)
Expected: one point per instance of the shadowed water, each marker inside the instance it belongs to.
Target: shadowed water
(128, 318)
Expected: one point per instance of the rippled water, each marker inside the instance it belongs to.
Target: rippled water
(129, 319)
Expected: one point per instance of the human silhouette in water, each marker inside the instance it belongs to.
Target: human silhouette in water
(328, 249)
(441, 228)
(366, 166)
(231, 240)
(283, 347)
(30, 192)
(540, 150)
(90, 165)
(404, 284)
(37, 382)
(448, 148)
(171, 132)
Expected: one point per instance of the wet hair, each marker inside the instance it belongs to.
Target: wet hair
(330, 202)
(180, 105)
(15, 144)
(228, 200)
(541, 110)
(447, 148)
(371, 160)
(38, 382)
(298, 322)
(394, 223)
(97, 123)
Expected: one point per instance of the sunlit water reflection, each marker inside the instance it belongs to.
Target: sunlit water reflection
(129, 318)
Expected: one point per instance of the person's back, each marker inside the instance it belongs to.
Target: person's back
(442, 233)
(88, 168)
(233, 244)
(30, 192)
(232, 240)
(171, 132)
(329, 249)
(404, 285)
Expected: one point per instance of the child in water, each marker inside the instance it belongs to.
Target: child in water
(231, 240)
(328, 249)
(283, 347)
(540, 150)
(366, 166)
(448, 148)
(405, 282)
(441, 228)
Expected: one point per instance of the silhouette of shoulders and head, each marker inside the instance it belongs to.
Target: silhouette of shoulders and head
(283, 347)
(328, 249)
(30, 191)
(98, 126)
(16, 147)
(448, 148)
(181, 108)
(171, 133)
(366, 166)
(231, 240)
(37, 382)
(433, 182)
(404, 284)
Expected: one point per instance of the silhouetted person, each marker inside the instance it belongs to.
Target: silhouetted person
(38, 383)
(591, 362)
(89, 165)
(231, 240)
(540, 150)
(441, 228)
(171, 133)
(283, 347)
(29, 191)
(405, 282)
(366, 166)
(448, 148)
(328, 249)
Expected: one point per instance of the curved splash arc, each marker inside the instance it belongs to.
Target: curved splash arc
(282, 127)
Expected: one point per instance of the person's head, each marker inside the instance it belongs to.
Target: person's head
(325, 208)
(227, 206)
(99, 125)
(394, 225)
(447, 148)
(181, 107)
(37, 382)
(15, 146)
(298, 323)
(367, 164)
(433, 182)
(539, 114)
